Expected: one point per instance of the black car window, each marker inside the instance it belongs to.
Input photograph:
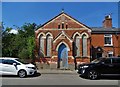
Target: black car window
(10, 62)
(116, 60)
(107, 61)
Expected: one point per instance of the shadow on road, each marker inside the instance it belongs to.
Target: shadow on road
(36, 75)
(110, 77)
(15, 76)
(105, 77)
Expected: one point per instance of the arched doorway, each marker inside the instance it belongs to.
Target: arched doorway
(63, 56)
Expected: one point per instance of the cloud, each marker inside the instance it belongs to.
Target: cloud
(13, 31)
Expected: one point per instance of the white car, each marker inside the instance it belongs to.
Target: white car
(13, 66)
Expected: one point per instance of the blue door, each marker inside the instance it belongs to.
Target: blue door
(63, 55)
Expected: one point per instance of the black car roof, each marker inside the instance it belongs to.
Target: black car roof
(110, 58)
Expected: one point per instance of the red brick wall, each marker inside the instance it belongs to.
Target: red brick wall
(119, 44)
(98, 40)
(70, 34)
(58, 21)
(107, 23)
(73, 27)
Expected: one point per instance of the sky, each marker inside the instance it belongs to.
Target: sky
(0, 11)
(89, 13)
(60, 0)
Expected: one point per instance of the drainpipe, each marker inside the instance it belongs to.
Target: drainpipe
(90, 50)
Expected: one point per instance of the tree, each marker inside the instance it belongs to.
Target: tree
(7, 40)
(31, 46)
(0, 38)
(20, 45)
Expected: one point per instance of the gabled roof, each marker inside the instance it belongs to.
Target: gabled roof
(63, 13)
(105, 30)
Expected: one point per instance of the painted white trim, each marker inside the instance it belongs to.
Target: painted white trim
(87, 36)
(108, 35)
(76, 33)
(63, 33)
(108, 45)
(71, 56)
(54, 56)
(110, 52)
(89, 31)
(63, 43)
(63, 29)
(76, 21)
(41, 33)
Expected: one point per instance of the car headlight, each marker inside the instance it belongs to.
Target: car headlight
(30, 67)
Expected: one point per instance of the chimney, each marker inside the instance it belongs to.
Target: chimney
(107, 23)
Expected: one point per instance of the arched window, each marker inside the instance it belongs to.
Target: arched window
(59, 26)
(48, 45)
(77, 45)
(62, 25)
(84, 45)
(41, 43)
(66, 26)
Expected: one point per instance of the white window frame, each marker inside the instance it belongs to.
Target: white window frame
(84, 50)
(41, 43)
(49, 38)
(111, 53)
(77, 43)
(110, 36)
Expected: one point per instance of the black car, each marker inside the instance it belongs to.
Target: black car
(98, 67)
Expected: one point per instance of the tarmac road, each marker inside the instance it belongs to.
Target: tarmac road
(56, 79)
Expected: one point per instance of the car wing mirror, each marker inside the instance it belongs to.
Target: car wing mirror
(14, 64)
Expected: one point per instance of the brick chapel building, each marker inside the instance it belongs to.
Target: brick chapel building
(65, 39)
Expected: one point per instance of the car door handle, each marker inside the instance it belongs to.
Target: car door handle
(6, 66)
(110, 65)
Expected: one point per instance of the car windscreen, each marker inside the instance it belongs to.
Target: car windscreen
(22, 61)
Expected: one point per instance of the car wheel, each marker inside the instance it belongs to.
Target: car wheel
(92, 75)
(22, 73)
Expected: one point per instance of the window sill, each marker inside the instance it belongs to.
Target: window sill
(77, 56)
(48, 57)
(106, 45)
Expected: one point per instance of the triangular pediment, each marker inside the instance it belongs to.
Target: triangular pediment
(62, 35)
(65, 19)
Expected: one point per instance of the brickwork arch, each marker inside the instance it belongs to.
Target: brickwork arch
(86, 34)
(50, 34)
(76, 33)
(41, 34)
(62, 43)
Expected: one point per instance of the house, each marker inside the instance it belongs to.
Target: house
(105, 40)
(65, 39)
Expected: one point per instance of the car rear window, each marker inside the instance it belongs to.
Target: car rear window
(8, 61)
